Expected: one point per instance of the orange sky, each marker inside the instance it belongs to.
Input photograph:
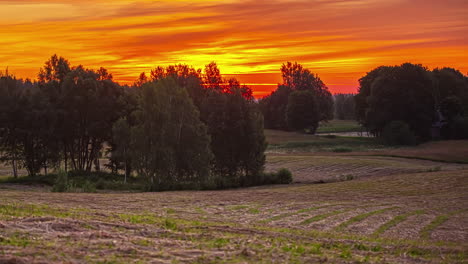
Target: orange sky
(338, 39)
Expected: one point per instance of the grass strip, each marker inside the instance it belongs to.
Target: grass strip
(323, 216)
(395, 221)
(305, 210)
(361, 217)
(439, 220)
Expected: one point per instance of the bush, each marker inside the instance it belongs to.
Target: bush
(398, 133)
(61, 182)
(88, 187)
(342, 149)
(284, 176)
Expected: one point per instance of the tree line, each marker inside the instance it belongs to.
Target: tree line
(409, 103)
(179, 127)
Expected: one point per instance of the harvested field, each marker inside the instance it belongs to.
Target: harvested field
(330, 168)
(334, 222)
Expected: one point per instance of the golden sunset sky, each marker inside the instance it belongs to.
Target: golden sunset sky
(340, 40)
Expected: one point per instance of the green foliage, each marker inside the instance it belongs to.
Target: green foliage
(121, 153)
(329, 143)
(297, 79)
(169, 224)
(410, 93)
(398, 133)
(78, 182)
(88, 187)
(451, 83)
(342, 149)
(61, 183)
(284, 176)
(154, 132)
(338, 126)
(169, 143)
(274, 108)
(235, 125)
(302, 111)
(48, 179)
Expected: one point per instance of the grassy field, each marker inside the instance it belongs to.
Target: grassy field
(283, 142)
(339, 126)
(391, 205)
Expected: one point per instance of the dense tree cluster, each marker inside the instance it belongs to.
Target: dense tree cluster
(67, 115)
(420, 99)
(230, 114)
(299, 103)
(180, 127)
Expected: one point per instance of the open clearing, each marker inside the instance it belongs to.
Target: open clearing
(372, 209)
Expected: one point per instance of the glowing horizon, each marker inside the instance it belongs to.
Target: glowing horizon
(338, 40)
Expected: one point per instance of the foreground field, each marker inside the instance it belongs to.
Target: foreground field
(376, 205)
(405, 218)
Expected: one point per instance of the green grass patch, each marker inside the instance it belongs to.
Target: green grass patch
(425, 233)
(16, 240)
(143, 242)
(31, 210)
(284, 215)
(254, 211)
(323, 216)
(361, 217)
(139, 219)
(334, 144)
(339, 126)
(395, 221)
(219, 242)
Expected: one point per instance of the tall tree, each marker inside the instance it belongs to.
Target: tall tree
(89, 105)
(402, 93)
(238, 143)
(301, 112)
(296, 78)
(170, 144)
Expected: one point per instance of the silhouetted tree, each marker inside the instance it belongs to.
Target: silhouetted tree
(169, 143)
(186, 77)
(296, 78)
(26, 130)
(402, 93)
(87, 106)
(236, 128)
(301, 112)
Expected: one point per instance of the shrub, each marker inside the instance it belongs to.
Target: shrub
(398, 133)
(61, 183)
(341, 149)
(284, 176)
(88, 187)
